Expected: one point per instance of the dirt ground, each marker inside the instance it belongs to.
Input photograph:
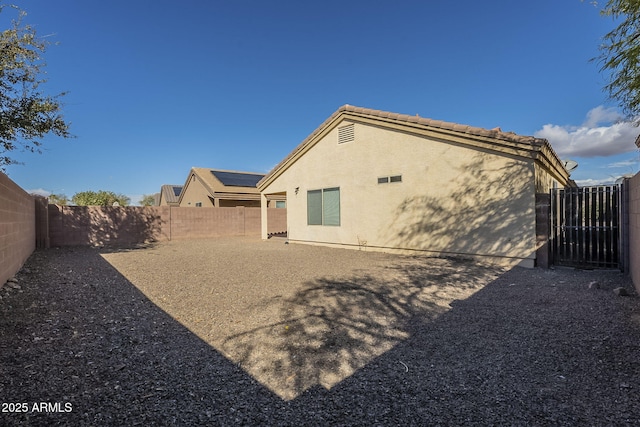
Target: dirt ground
(239, 331)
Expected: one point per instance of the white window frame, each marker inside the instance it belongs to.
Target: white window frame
(323, 210)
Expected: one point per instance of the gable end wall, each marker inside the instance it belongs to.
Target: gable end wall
(452, 199)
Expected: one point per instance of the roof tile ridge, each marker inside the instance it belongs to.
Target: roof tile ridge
(496, 133)
(442, 124)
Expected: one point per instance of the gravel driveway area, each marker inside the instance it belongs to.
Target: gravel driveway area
(239, 331)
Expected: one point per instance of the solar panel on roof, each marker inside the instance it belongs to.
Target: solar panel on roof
(176, 191)
(236, 179)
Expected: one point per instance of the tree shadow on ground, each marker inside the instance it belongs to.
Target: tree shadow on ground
(409, 346)
(331, 328)
(78, 332)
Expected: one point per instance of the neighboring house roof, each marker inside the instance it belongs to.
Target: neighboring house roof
(494, 140)
(171, 193)
(237, 179)
(224, 184)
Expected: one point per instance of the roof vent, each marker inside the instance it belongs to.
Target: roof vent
(346, 134)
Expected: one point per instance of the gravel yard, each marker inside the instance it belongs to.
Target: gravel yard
(240, 331)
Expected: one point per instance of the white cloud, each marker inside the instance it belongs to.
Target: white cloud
(40, 192)
(600, 115)
(622, 164)
(592, 182)
(602, 134)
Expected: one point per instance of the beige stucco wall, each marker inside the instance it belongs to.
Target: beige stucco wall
(544, 181)
(233, 203)
(452, 199)
(193, 192)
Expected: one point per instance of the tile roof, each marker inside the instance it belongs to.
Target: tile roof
(491, 138)
(495, 133)
(171, 193)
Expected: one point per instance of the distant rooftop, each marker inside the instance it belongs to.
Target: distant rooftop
(171, 192)
(237, 179)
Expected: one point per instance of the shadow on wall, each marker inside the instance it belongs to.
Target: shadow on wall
(331, 328)
(98, 226)
(490, 211)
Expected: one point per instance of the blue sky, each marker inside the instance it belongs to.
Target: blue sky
(157, 87)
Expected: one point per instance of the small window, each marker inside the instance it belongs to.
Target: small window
(396, 178)
(198, 204)
(281, 204)
(346, 134)
(383, 180)
(323, 207)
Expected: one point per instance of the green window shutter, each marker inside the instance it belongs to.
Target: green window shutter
(331, 206)
(314, 207)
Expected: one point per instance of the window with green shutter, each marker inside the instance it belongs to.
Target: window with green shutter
(314, 207)
(323, 207)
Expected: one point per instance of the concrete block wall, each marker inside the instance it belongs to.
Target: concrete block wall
(42, 222)
(276, 221)
(634, 229)
(98, 225)
(193, 223)
(17, 227)
(95, 225)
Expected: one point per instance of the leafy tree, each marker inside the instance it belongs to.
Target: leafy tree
(620, 55)
(99, 198)
(148, 200)
(58, 199)
(26, 113)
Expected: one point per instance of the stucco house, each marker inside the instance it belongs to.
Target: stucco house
(169, 195)
(375, 180)
(220, 188)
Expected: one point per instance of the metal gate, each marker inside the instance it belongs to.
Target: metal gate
(586, 226)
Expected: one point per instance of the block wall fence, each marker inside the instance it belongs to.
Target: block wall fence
(17, 227)
(27, 222)
(96, 225)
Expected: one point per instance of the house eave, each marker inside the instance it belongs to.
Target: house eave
(505, 143)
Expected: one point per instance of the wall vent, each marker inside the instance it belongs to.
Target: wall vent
(388, 179)
(346, 134)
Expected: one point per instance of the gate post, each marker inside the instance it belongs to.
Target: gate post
(543, 205)
(625, 265)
